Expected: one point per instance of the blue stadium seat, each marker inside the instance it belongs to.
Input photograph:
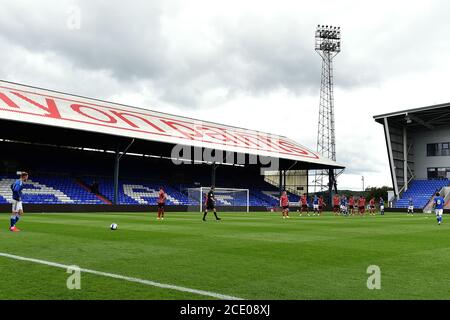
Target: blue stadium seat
(421, 192)
(48, 190)
(65, 190)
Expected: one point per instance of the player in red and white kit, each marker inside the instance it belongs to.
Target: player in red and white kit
(304, 204)
(372, 206)
(321, 204)
(362, 205)
(161, 203)
(336, 205)
(351, 204)
(284, 204)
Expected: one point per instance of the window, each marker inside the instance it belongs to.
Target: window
(438, 173)
(438, 149)
(432, 174)
(432, 149)
(445, 149)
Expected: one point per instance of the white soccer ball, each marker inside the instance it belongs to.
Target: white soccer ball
(114, 226)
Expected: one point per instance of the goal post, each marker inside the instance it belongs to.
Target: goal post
(227, 199)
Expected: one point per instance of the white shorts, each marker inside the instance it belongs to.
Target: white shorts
(439, 212)
(343, 208)
(17, 206)
(381, 208)
(316, 207)
(411, 208)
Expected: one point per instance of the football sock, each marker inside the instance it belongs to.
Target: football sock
(215, 214)
(204, 215)
(13, 221)
(17, 219)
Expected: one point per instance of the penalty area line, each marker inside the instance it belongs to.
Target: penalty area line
(120, 277)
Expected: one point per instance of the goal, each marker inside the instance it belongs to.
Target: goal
(227, 199)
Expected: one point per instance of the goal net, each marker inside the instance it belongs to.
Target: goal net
(227, 199)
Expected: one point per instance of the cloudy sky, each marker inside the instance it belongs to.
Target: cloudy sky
(249, 63)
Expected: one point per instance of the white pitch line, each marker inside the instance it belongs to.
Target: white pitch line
(130, 279)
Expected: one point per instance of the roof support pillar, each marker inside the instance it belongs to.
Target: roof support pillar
(391, 158)
(116, 177)
(307, 183)
(331, 184)
(117, 171)
(213, 174)
(405, 157)
(280, 180)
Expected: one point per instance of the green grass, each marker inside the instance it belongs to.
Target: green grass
(252, 256)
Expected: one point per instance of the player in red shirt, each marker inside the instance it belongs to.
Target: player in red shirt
(336, 203)
(284, 204)
(372, 206)
(304, 204)
(351, 204)
(362, 205)
(161, 203)
(321, 204)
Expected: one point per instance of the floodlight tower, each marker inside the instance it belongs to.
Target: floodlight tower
(327, 45)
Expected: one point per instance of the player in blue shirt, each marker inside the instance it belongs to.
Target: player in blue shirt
(315, 205)
(344, 208)
(382, 206)
(17, 208)
(410, 206)
(438, 207)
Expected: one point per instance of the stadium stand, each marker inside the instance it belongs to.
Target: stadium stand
(421, 192)
(66, 177)
(64, 190)
(48, 190)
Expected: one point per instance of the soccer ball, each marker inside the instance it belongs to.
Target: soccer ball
(114, 226)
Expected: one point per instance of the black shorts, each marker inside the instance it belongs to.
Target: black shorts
(285, 207)
(372, 207)
(320, 208)
(210, 206)
(304, 207)
(161, 205)
(361, 208)
(336, 207)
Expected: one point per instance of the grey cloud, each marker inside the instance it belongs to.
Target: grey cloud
(254, 55)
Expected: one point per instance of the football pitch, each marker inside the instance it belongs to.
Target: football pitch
(246, 255)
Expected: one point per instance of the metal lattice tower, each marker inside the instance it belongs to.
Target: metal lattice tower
(327, 45)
